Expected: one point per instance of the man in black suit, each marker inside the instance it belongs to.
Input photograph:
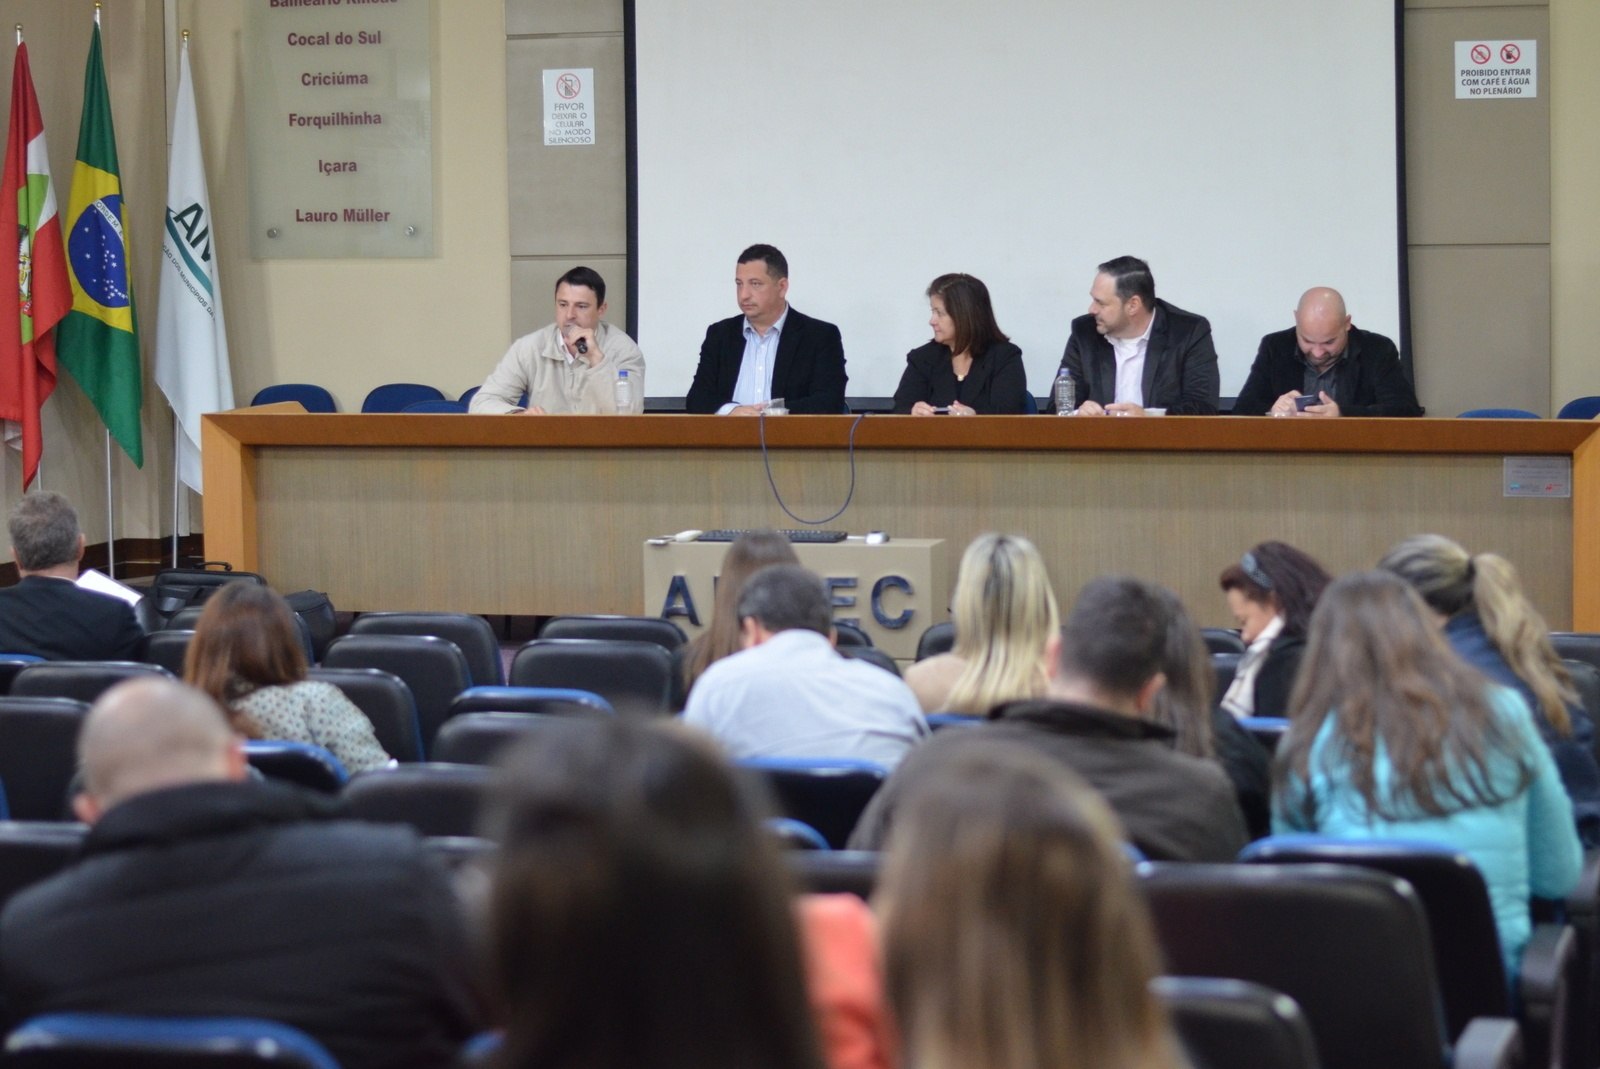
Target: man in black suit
(771, 351)
(1134, 355)
(1350, 372)
(47, 614)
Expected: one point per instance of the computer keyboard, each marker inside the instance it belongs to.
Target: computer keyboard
(812, 534)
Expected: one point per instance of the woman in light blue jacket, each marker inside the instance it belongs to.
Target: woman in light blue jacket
(1392, 736)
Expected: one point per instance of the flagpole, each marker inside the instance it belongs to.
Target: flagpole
(111, 518)
(177, 483)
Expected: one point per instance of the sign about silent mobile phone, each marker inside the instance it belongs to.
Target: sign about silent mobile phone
(569, 107)
(1497, 70)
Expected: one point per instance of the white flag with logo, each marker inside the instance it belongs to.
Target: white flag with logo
(191, 342)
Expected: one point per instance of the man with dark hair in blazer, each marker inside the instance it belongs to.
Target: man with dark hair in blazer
(770, 351)
(1134, 355)
(48, 614)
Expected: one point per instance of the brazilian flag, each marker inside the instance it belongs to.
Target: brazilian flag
(98, 342)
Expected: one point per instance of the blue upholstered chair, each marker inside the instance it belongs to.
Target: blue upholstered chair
(111, 1041)
(312, 398)
(829, 795)
(1498, 413)
(439, 407)
(395, 396)
(1580, 408)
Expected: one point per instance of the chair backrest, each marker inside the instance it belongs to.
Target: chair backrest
(434, 668)
(82, 681)
(1580, 408)
(459, 851)
(11, 664)
(39, 753)
(387, 703)
(1223, 666)
(850, 635)
(1498, 413)
(938, 638)
(188, 619)
(299, 763)
(1222, 640)
(395, 396)
(1349, 945)
(829, 795)
(872, 655)
(478, 738)
(1267, 730)
(466, 398)
(1577, 646)
(436, 407)
(1586, 681)
(471, 633)
(792, 834)
(436, 799)
(107, 1041)
(655, 629)
(311, 397)
(547, 701)
(827, 872)
(1236, 1024)
(635, 677)
(1466, 946)
(167, 649)
(33, 850)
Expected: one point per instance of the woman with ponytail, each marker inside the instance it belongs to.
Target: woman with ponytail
(1492, 626)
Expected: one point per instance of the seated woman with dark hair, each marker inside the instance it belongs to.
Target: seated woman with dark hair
(970, 367)
(1271, 592)
(1492, 626)
(1200, 727)
(639, 916)
(1014, 937)
(747, 555)
(1391, 736)
(247, 655)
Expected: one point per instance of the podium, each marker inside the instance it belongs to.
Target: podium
(893, 592)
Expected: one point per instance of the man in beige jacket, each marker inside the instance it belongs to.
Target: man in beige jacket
(570, 366)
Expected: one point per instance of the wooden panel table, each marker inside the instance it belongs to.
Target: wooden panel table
(494, 514)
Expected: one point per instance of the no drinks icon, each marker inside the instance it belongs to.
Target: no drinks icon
(1510, 53)
(1481, 54)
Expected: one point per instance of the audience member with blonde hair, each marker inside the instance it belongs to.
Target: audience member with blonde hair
(747, 555)
(1391, 736)
(1014, 937)
(1492, 626)
(247, 655)
(1006, 626)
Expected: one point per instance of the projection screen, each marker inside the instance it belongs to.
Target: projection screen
(1246, 149)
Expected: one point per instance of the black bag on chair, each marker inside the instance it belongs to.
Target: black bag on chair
(175, 589)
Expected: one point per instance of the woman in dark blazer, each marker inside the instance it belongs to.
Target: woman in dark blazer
(970, 367)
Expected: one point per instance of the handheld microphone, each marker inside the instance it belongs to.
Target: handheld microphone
(582, 346)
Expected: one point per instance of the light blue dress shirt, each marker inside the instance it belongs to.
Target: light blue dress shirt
(755, 370)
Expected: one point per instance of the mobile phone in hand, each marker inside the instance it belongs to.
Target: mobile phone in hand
(1306, 400)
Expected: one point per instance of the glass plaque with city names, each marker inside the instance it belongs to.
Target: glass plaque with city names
(339, 106)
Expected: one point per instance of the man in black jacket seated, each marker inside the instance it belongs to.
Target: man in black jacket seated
(47, 613)
(1135, 355)
(1349, 372)
(201, 892)
(770, 351)
(1173, 807)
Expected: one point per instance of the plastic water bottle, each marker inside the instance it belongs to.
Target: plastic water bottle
(1065, 392)
(624, 393)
